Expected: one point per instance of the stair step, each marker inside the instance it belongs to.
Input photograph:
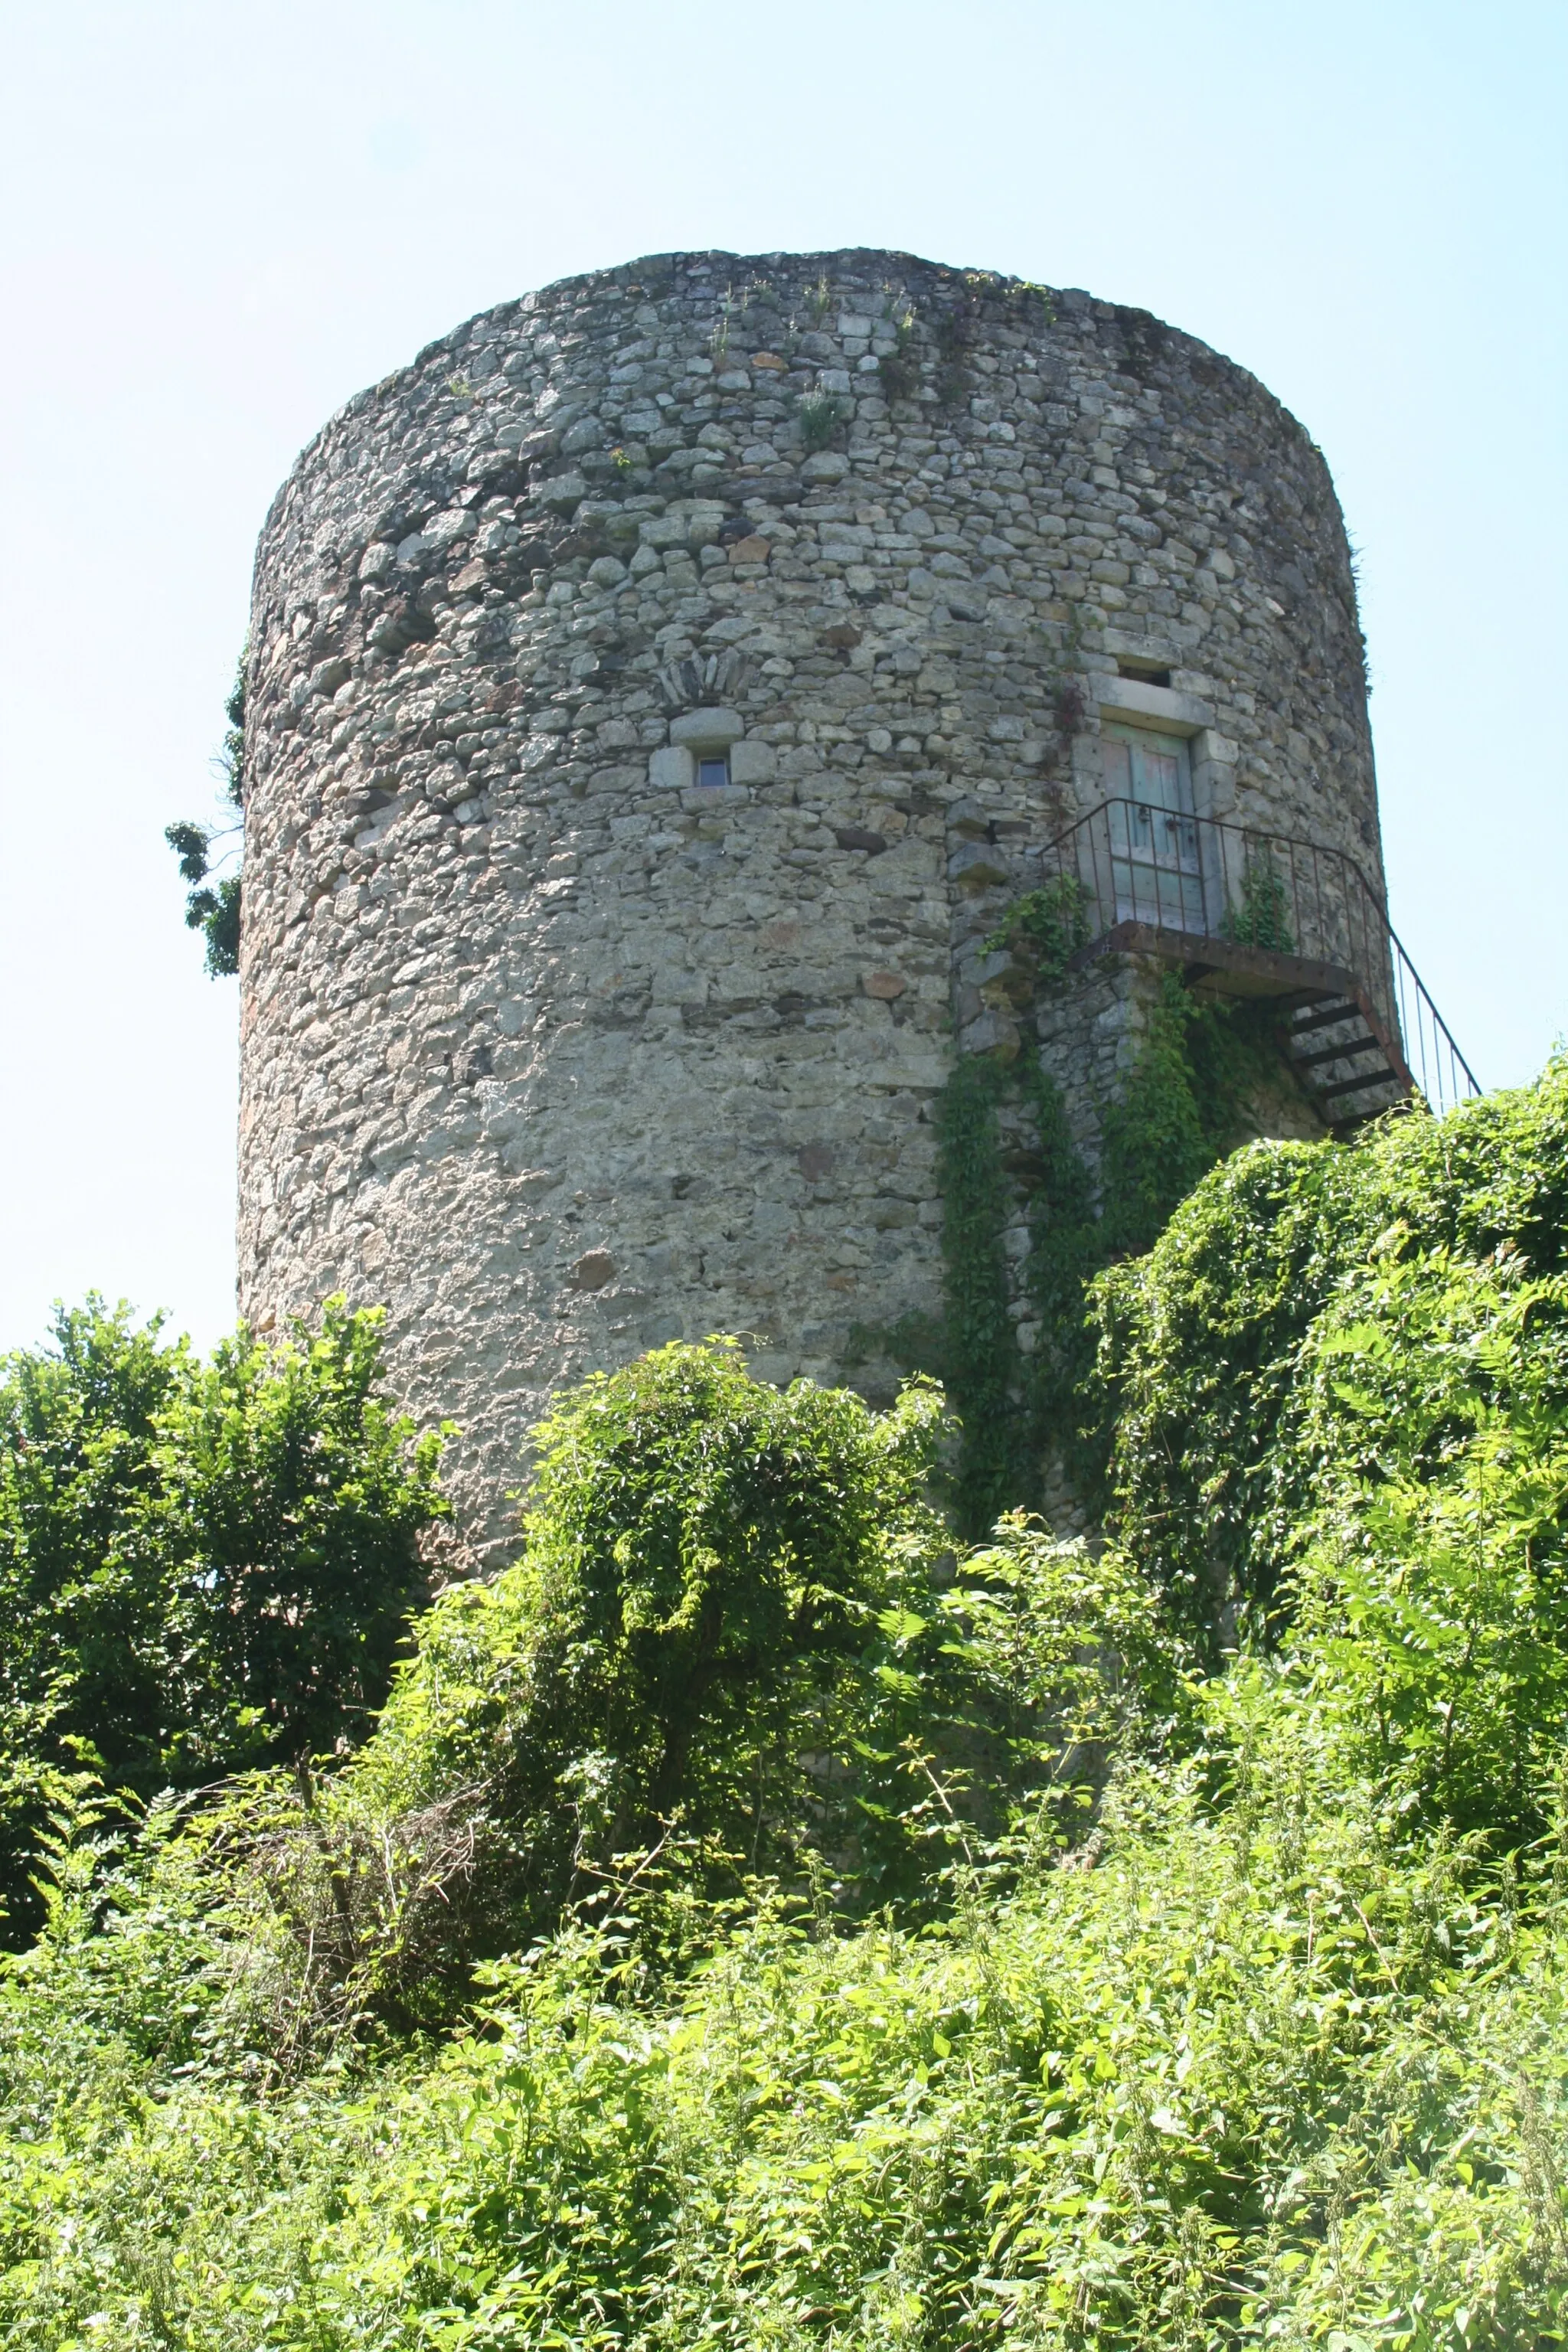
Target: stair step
(1335, 1053)
(1324, 1016)
(1383, 1078)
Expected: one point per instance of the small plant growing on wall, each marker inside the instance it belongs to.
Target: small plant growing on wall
(1027, 291)
(1262, 920)
(955, 333)
(1049, 924)
(719, 342)
(1069, 708)
(820, 414)
(899, 369)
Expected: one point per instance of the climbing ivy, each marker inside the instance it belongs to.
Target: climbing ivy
(981, 1362)
(1065, 1251)
(1155, 1141)
(1180, 1109)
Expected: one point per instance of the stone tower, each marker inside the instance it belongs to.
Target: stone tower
(658, 692)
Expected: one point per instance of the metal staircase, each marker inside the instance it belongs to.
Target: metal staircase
(1247, 913)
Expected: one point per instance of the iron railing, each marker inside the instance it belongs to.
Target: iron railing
(1197, 878)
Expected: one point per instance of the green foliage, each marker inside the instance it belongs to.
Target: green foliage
(1435, 1584)
(1048, 925)
(1154, 1140)
(820, 414)
(898, 370)
(201, 1566)
(216, 914)
(955, 335)
(1270, 2071)
(1065, 1246)
(293, 1499)
(1199, 1347)
(1179, 1111)
(731, 1638)
(1180, 1107)
(1228, 2009)
(734, 1656)
(190, 844)
(980, 1363)
(1012, 1409)
(1227, 1444)
(233, 753)
(1263, 918)
(216, 911)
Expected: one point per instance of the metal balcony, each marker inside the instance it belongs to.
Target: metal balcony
(1250, 913)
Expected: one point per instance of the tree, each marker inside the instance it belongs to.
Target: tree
(202, 1568)
(213, 904)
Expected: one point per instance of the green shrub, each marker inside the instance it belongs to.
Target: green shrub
(1270, 2071)
(1434, 1588)
(1230, 1445)
(215, 911)
(202, 1568)
(732, 1647)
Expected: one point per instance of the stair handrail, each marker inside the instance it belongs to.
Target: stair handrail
(1196, 859)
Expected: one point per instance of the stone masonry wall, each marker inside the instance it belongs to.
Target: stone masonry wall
(562, 1054)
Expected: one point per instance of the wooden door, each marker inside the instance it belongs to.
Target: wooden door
(1155, 870)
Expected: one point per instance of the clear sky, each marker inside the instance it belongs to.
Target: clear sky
(221, 221)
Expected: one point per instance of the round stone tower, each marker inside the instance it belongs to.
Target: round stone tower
(656, 693)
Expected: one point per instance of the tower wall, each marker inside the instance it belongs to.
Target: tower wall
(563, 1053)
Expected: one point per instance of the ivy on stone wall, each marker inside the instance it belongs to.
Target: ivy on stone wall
(981, 1362)
(1180, 1109)
(1065, 1250)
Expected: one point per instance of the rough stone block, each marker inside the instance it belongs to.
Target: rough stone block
(752, 763)
(975, 865)
(672, 768)
(714, 730)
(992, 1033)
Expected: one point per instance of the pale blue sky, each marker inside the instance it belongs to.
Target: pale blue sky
(221, 221)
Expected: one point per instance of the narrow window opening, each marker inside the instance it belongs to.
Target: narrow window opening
(1147, 673)
(713, 768)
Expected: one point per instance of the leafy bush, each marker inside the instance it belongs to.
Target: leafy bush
(1433, 1585)
(1223, 1445)
(1259, 2068)
(1046, 928)
(733, 1649)
(201, 1566)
